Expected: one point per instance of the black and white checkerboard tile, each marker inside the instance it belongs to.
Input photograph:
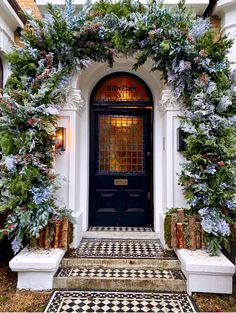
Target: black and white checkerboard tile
(101, 272)
(120, 229)
(83, 301)
(111, 248)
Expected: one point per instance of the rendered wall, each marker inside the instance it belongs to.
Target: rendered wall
(73, 164)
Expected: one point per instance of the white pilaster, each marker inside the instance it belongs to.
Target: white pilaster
(67, 162)
(171, 158)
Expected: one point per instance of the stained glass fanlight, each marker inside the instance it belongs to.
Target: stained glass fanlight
(121, 88)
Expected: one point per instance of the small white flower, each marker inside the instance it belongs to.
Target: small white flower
(51, 111)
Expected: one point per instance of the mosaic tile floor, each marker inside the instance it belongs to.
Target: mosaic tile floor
(83, 301)
(102, 272)
(112, 248)
(121, 229)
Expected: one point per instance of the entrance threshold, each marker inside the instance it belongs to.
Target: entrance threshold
(120, 233)
(122, 229)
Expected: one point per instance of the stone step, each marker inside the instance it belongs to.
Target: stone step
(121, 235)
(121, 248)
(120, 279)
(121, 253)
(117, 263)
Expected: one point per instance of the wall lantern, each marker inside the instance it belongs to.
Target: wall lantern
(60, 139)
(181, 136)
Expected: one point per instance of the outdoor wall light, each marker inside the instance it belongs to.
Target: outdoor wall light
(181, 136)
(60, 139)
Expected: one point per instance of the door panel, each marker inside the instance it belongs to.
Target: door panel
(120, 167)
(135, 201)
(106, 201)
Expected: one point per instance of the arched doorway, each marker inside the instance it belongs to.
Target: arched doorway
(121, 152)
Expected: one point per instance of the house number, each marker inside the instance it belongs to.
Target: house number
(120, 182)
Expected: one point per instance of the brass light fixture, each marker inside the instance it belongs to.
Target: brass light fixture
(60, 139)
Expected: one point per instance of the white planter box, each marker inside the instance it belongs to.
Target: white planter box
(36, 267)
(206, 273)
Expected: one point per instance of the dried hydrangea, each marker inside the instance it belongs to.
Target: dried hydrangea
(16, 245)
(200, 28)
(10, 163)
(224, 103)
(41, 195)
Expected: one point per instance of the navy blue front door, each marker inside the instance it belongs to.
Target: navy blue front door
(120, 167)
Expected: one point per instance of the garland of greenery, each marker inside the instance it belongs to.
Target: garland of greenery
(192, 63)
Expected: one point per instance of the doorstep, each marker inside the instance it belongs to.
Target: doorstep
(36, 267)
(120, 249)
(103, 232)
(204, 273)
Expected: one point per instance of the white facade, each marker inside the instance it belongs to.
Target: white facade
(36, 269)
(9, 22)
(73, 164)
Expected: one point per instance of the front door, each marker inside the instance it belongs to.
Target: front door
(120, 166)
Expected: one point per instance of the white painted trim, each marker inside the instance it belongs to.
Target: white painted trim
(226, 10)
(6, 40)
(14, 19)
(6, 71)
(91, 78)
(223, 4)
(74, 162)
(228, 26)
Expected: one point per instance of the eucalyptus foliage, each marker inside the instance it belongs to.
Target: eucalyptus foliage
(192, 63)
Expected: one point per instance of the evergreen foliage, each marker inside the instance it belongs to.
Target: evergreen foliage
(180, 45)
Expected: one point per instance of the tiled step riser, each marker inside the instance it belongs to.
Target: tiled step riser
(117, 284)
(114, 263)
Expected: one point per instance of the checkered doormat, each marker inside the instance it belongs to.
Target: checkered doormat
(100, 302)
(111, 248)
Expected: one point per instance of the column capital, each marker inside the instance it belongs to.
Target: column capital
(168, 101)
(75, 101)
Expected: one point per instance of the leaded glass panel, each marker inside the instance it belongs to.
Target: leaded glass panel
(121, 144)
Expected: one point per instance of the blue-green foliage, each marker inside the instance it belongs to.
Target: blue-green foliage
(180, 45)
